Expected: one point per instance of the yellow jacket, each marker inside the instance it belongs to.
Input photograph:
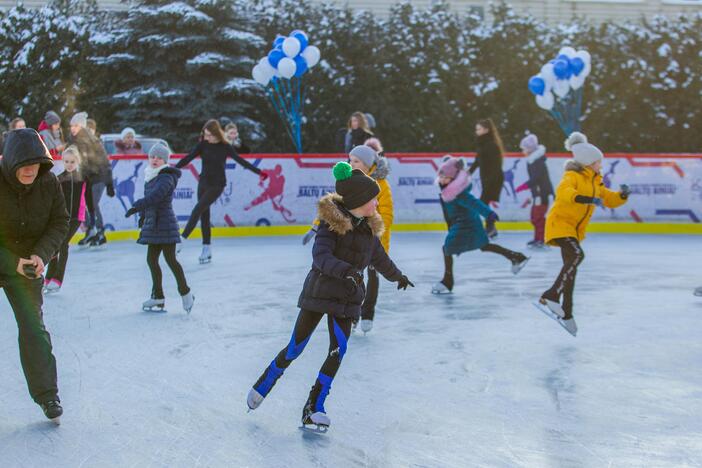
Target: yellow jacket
(570, 219)
(386, 211)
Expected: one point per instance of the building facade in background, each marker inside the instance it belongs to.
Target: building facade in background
(553, 11)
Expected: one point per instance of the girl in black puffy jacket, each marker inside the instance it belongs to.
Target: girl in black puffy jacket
(347, 241)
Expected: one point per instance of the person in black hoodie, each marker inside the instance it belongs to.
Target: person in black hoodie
(213, 149)
(347, 242)
(73, 187)
(33, 225)
(489, 160)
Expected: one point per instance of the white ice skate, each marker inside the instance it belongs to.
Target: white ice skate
(366, 325)
(569, 325)
(154, 305)
(206, 255)
(553, 306)
(316, 422)
(188, 301)
(698, 291)
(440, 288)
(51, 288)
(517, 266)
(254, 399)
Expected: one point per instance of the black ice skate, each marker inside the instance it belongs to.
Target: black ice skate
(88, 238)
(52, 410)
(99, 240)
(519, 263)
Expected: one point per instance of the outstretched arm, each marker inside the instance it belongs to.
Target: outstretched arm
(195, 152)
(247, 165)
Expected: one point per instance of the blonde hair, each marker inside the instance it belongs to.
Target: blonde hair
(73, 151)
(362, 122)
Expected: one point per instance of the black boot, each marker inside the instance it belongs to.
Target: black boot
(313, 411)
(52, 409)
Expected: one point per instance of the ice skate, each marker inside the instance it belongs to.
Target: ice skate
(206, 255)
(519, 263)
(188, 301)
(51, 287)
(263, 386)
(314, 417)
(536, 245)
(440, 288)
(554, 306)
(99, 241)
(52, 410)
(154, 305)
(569, 325)
(366, 326)
(698, 292)
(84, 243)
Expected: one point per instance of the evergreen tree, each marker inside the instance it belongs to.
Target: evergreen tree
(165, 67)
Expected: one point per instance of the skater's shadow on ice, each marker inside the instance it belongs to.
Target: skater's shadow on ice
(314, 439)
(557, 381)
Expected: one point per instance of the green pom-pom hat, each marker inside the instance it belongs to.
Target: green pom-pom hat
(354, 186)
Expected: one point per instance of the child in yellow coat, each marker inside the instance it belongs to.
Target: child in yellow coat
(368, 159)
(579, 192)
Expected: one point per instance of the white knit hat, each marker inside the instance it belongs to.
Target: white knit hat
(584, 153)
(126, 132)
(81, 119)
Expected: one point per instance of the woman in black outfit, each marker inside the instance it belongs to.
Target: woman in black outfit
(489, 160)
(214, 150)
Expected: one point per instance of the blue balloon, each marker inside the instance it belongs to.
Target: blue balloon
(275, 56)
(278, 41)
(561, 69)
(537, 85)
(563, 57)
(301, 65)
(302, 37)
(577, 65)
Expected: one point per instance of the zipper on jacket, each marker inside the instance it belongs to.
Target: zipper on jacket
(587, 210)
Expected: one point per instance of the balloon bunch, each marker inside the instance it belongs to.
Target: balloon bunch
(281, 73)
(559, 87)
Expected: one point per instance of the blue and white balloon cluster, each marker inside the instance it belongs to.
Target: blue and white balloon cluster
(559, 86)
(290, 57)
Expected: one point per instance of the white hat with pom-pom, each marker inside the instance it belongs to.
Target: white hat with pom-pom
(584, 153)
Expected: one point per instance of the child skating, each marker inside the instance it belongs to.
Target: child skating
(367, 159)
(579, 192)
(159, 227)
(73, 186)
(463, 212)
(540, 185)
(347, 242)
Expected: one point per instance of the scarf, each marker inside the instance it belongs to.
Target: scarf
(150, 173)
(456, 186)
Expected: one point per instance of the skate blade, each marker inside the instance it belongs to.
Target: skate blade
(314, 428)
(546, 311)
(56, 420)
(155, 310)
(519, 267)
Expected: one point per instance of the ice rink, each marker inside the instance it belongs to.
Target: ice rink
(477, 378)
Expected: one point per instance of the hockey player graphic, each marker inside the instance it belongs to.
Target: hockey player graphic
(274, 193)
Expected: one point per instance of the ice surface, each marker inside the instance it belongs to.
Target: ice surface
(478, 378)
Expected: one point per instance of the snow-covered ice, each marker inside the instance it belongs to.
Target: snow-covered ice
(477, 378)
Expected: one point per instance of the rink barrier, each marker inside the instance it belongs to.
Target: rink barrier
(297, 230)
(666, 193)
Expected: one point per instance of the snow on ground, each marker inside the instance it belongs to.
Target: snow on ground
(479, 378)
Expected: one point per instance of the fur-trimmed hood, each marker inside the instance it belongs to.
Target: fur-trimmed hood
(573, 165)
(382, 169)
(331, 210)
(536, 154)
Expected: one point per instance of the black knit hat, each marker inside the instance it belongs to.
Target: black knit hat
(355, 187)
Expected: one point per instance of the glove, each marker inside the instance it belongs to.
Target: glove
(404, 282)
(491, 217)
(355, 276)
(111, 191)
(263, 176)
(130, 212)
(624, 191)
(309, 236)
(588, 200)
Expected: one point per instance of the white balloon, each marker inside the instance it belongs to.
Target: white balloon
(311, 54)
(291, 46)
(259, 76)
(577, 82)
(567, 51)
(584, 55)
(548, 75)
(561, 88)
(287, 67)
(266, 68)
(545, 101)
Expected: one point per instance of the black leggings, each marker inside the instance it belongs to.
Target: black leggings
(206, 196)
(368, 307)
(573, 255)
(57, 267)
(307, 321)
(169, 253)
